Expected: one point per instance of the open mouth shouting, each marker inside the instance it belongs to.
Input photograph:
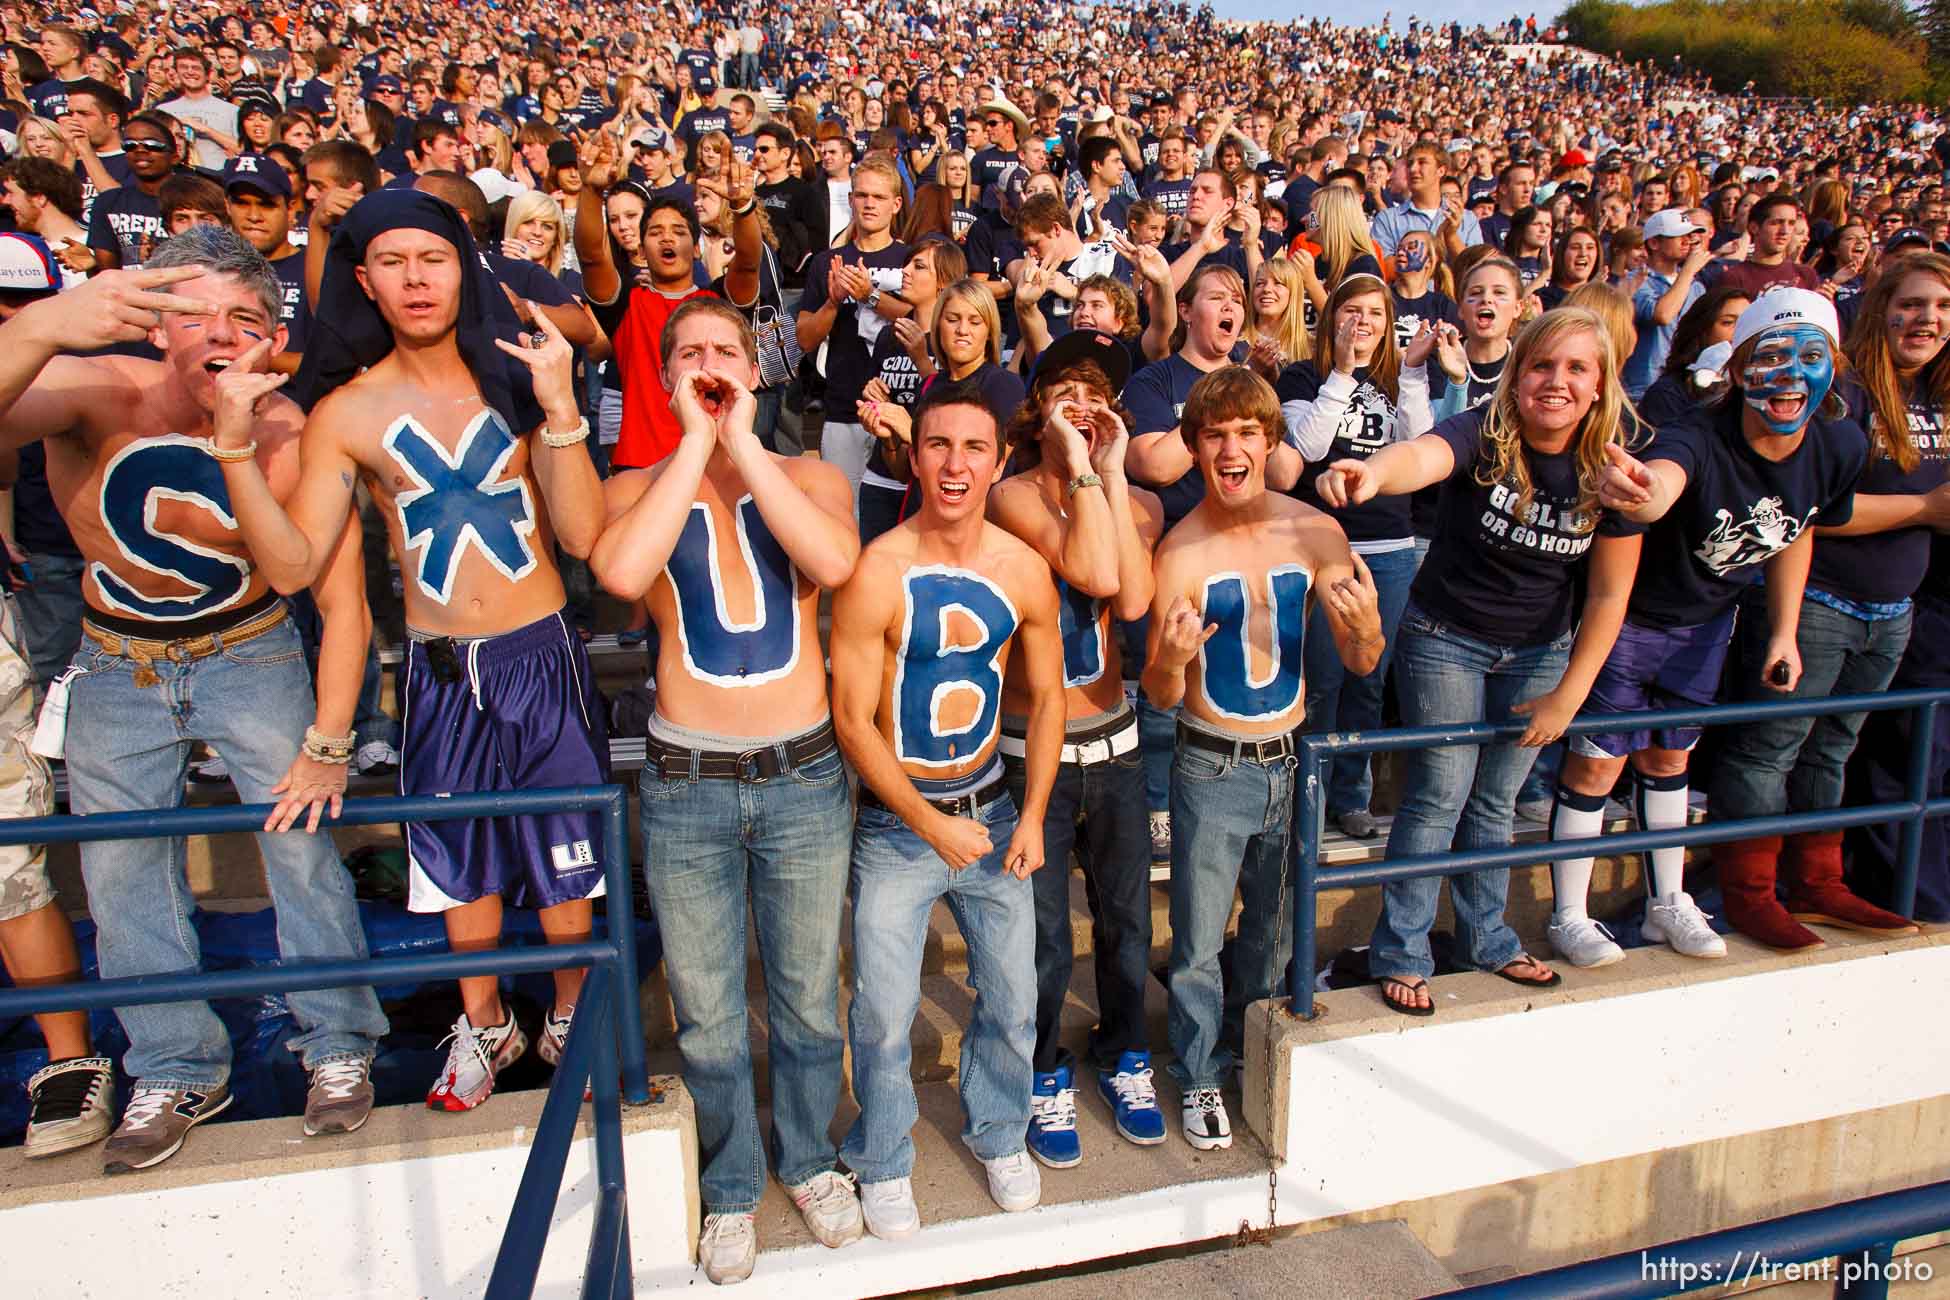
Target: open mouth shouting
(1233, 477)
(953, 489)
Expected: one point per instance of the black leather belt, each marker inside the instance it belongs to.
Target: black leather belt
(966, 805)
(1272, 749)
(751, 765)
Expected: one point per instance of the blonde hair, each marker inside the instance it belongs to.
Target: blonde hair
(1343, 231)
(1289, 332)
(1610, 305)
(1604, 424)
(530, 205)
(972, 293)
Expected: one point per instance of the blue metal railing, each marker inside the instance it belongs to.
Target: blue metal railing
(1312, 877)
(605, 1046)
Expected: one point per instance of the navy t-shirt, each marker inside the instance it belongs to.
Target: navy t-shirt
(1170, 196)
(1883, 568)
(1362, 432)
(122, 220)
(849, 348)
(1506, 579)
(1738, 510)
(1411, 314)
(294, 313)
(1232, 255)
(1155, 397)
(988, 167)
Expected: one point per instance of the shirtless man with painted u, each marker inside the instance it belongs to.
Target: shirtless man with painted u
(1228, 629)
(184, 640)
(420, 392)
(743, 789)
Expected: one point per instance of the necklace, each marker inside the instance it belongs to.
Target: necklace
(1477, 377)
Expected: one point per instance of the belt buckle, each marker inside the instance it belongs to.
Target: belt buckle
(177, 652)
(1091, 752)
(962, 805)
(748, 766)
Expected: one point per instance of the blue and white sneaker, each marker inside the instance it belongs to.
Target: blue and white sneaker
(1053, 1120)
(1133, 1100)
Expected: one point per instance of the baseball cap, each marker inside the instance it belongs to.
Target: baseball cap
(650, 138)
(1574, 158)
(257, 172)
(1481, 191)
(26, 266)
(1903, 238)
(386, 84)
(1783, 306)
(1086, 345)
(1670, 223)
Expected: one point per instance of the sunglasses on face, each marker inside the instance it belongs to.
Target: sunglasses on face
(145, 146)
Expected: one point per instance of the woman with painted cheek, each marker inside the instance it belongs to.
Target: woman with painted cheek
(1732, 491)
(1424, 290)
(1843, 267)
(1371, 395)
(1701, 343)
(1511, 616)
(1574, 265)
(1876, 613)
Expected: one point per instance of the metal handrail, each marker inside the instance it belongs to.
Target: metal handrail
(1311, 810)
(605, 1050)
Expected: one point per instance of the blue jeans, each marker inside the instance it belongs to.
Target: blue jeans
(1337, 700)
(1880, 774)
(1457, 796)
(708, 844)
(1231, 822)
(765, 419)
(1796, 764)
(1157, 728)
(896, 880)
(128, 750)
(50, 612)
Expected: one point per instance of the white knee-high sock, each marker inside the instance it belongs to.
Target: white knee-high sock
(1662, 803)
(1574, 816)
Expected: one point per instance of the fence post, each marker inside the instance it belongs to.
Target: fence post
(1922, 737)
(621, 918)
(1308, 816)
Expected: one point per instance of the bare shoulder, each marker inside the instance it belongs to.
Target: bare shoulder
(279, 421)
(812, 475)
(1147, 511)
(1022, 566)
(625, 487)
(104, 389)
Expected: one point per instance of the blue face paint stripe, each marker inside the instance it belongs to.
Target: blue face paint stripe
(928, 670)
(459, 502)
(1083, 635)
(717, 648)
(1809, 369)
(135, 482)
(1225, 661)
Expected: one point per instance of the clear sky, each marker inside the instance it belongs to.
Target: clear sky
(1358, 13)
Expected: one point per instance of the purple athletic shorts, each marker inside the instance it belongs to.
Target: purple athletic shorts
(1666, 669)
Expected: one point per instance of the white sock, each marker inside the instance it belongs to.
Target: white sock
(1574, 817)
(1663, 805)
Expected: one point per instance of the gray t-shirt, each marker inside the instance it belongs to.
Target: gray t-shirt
(210, 113)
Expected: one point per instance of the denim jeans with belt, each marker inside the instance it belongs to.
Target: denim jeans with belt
(1231, 825)
(1457, 796)
(709, 844)
(50, 608)
(1796, 764)
(1338, 700)
(128, 749)
(896, 880)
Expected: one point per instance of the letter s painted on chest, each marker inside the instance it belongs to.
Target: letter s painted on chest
(718, 649)
(931, 669)
(136, 480)
(1226, 662)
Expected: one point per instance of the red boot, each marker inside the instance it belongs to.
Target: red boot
(1817, 895)
(1746, 870)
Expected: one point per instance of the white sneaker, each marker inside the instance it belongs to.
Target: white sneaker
(728, 1247)
(1583, 942)
(1203, 1116)
(1677, 921)
(830, 1207)
(889, 1210)
(1161, 838)
(1015, 1182)
(1536, 810)
(376, 758)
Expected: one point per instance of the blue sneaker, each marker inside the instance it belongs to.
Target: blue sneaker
(1053, 1120)
(1132, 1099)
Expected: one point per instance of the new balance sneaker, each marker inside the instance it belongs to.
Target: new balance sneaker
(1161, 839)
(155, 1124)
(888, 1208)
(1206, 1124)
(1676, 920)
(376, 758)
(555, 1041)
(1014, 1181)
(476, 1057)
(830, 1206)
(1583, 942)
(1053, 1120)
(728, 1247)
(70, 1104)
(340, 1097)
(1133, 1100)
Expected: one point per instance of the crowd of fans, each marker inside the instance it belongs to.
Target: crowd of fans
(1310, 377)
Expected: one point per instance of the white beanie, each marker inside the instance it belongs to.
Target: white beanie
(1783, 306)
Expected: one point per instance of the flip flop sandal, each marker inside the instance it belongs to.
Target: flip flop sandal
(1525, 961)
(1412, 986)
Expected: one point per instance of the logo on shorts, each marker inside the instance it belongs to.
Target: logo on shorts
(571, 858)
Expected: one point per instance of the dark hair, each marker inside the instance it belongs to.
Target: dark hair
(429, 129)
(189, 190)
(1093, 152)
(946, 392)
(1766, 204)
(1689, 335)
(777, 132)
(349, 160)
(1520, 223)
(48, 180)
(671, 203)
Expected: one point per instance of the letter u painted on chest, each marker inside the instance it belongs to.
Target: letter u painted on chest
(718, 648)
(1226, 660)
(136, 481)
(1083, 635)
(938, 663)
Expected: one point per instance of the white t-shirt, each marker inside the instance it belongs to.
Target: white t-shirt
(211, 113)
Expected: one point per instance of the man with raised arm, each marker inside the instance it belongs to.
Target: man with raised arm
(470, 446)
(923, 636)
(743, 789)
(1070, 501)
(184, 641)
(1228, 629)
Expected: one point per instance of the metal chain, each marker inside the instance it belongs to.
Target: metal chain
(1249, 1235)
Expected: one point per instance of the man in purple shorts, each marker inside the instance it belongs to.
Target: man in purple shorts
(419, 391)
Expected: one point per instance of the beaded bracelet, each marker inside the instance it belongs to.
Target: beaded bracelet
(321, 748)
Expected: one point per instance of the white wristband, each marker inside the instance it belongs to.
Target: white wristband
(569, 439)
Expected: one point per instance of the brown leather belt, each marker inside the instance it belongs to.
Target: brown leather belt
(672, 762)
(145, 653)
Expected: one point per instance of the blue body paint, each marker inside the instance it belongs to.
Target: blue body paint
(1083, 635)
(1792, 359)
(932, 668)
(717, 649)
(1225, 662)
(148, 471)
(458, 502)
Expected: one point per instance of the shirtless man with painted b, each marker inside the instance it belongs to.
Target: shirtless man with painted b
(743, 789)
(497, 692)
(1228, 628)
(937, 612)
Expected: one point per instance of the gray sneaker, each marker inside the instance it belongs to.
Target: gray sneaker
(155, 1124)
(73, 1104)
(340, 1099)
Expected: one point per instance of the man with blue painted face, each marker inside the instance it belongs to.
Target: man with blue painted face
(939, 611)
(184, 640)
(743, 790)
(470, 446)
(1234, 582)
(1732, 494)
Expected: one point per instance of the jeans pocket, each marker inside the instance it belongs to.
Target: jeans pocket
(1199, 765)
(826, 770)
(653, 785)
(1414, 620)
(278, 646)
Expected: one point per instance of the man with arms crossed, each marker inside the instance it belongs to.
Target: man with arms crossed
(743, 789)
(184, 640)
(1228, 622)
(496, 690)
(922, 636)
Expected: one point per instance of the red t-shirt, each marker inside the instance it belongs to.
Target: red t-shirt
(650, 430)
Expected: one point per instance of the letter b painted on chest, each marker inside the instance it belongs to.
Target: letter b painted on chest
(938, 664)
(1226, 661)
